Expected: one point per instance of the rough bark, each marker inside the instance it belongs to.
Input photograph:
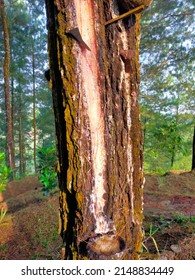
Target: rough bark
(95, 85)
(9, 132)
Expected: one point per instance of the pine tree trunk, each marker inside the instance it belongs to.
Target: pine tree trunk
(34, 112)
(95, 83)
(9, 132)
(20, 146)
(21, 138)
(12, 118)
(193, 151)
(173, 155)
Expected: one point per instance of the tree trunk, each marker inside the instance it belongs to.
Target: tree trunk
(9, 132)
(95, 83)
(34, 111)
(12, 118)
(193, 151)
(173, 154)
(21, 138)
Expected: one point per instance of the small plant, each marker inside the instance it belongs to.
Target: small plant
(163, 223)
(160, 182)
(192, 219)
(182, 219)
(4, 173)
(2, 215)
(152, 231)
(47, 169)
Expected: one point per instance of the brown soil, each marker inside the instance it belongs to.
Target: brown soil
(29, 229)
(170, 194)
(169, 208)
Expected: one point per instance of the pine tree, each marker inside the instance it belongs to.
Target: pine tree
(95, 84)
(9, 121)
(167, 87)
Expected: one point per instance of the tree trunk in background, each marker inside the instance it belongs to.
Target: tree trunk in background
(9, 132)
(12, 117)
(175, 140)
(95, 83)
(34, 111)
(173, 154)
(193, 151)
(21, 139)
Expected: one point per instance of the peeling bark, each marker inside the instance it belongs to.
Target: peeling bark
(95, 83)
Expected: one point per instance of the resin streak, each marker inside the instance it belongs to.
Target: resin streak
(91, 76)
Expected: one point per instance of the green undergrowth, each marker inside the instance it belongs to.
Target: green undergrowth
(47, 169)
(161, 233)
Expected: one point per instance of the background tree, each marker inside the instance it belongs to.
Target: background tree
(167, 84)
(31, 100)
(9, 126)
(95, 83)
(193, 151)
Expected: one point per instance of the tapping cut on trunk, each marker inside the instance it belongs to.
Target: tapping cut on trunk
(77, 35)
(95, 86)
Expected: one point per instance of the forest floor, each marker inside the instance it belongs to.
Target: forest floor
(29, 229)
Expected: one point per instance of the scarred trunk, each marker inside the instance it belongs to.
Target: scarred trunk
(95, 83)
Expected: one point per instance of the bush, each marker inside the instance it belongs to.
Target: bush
(4, 173)
(47, 168)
